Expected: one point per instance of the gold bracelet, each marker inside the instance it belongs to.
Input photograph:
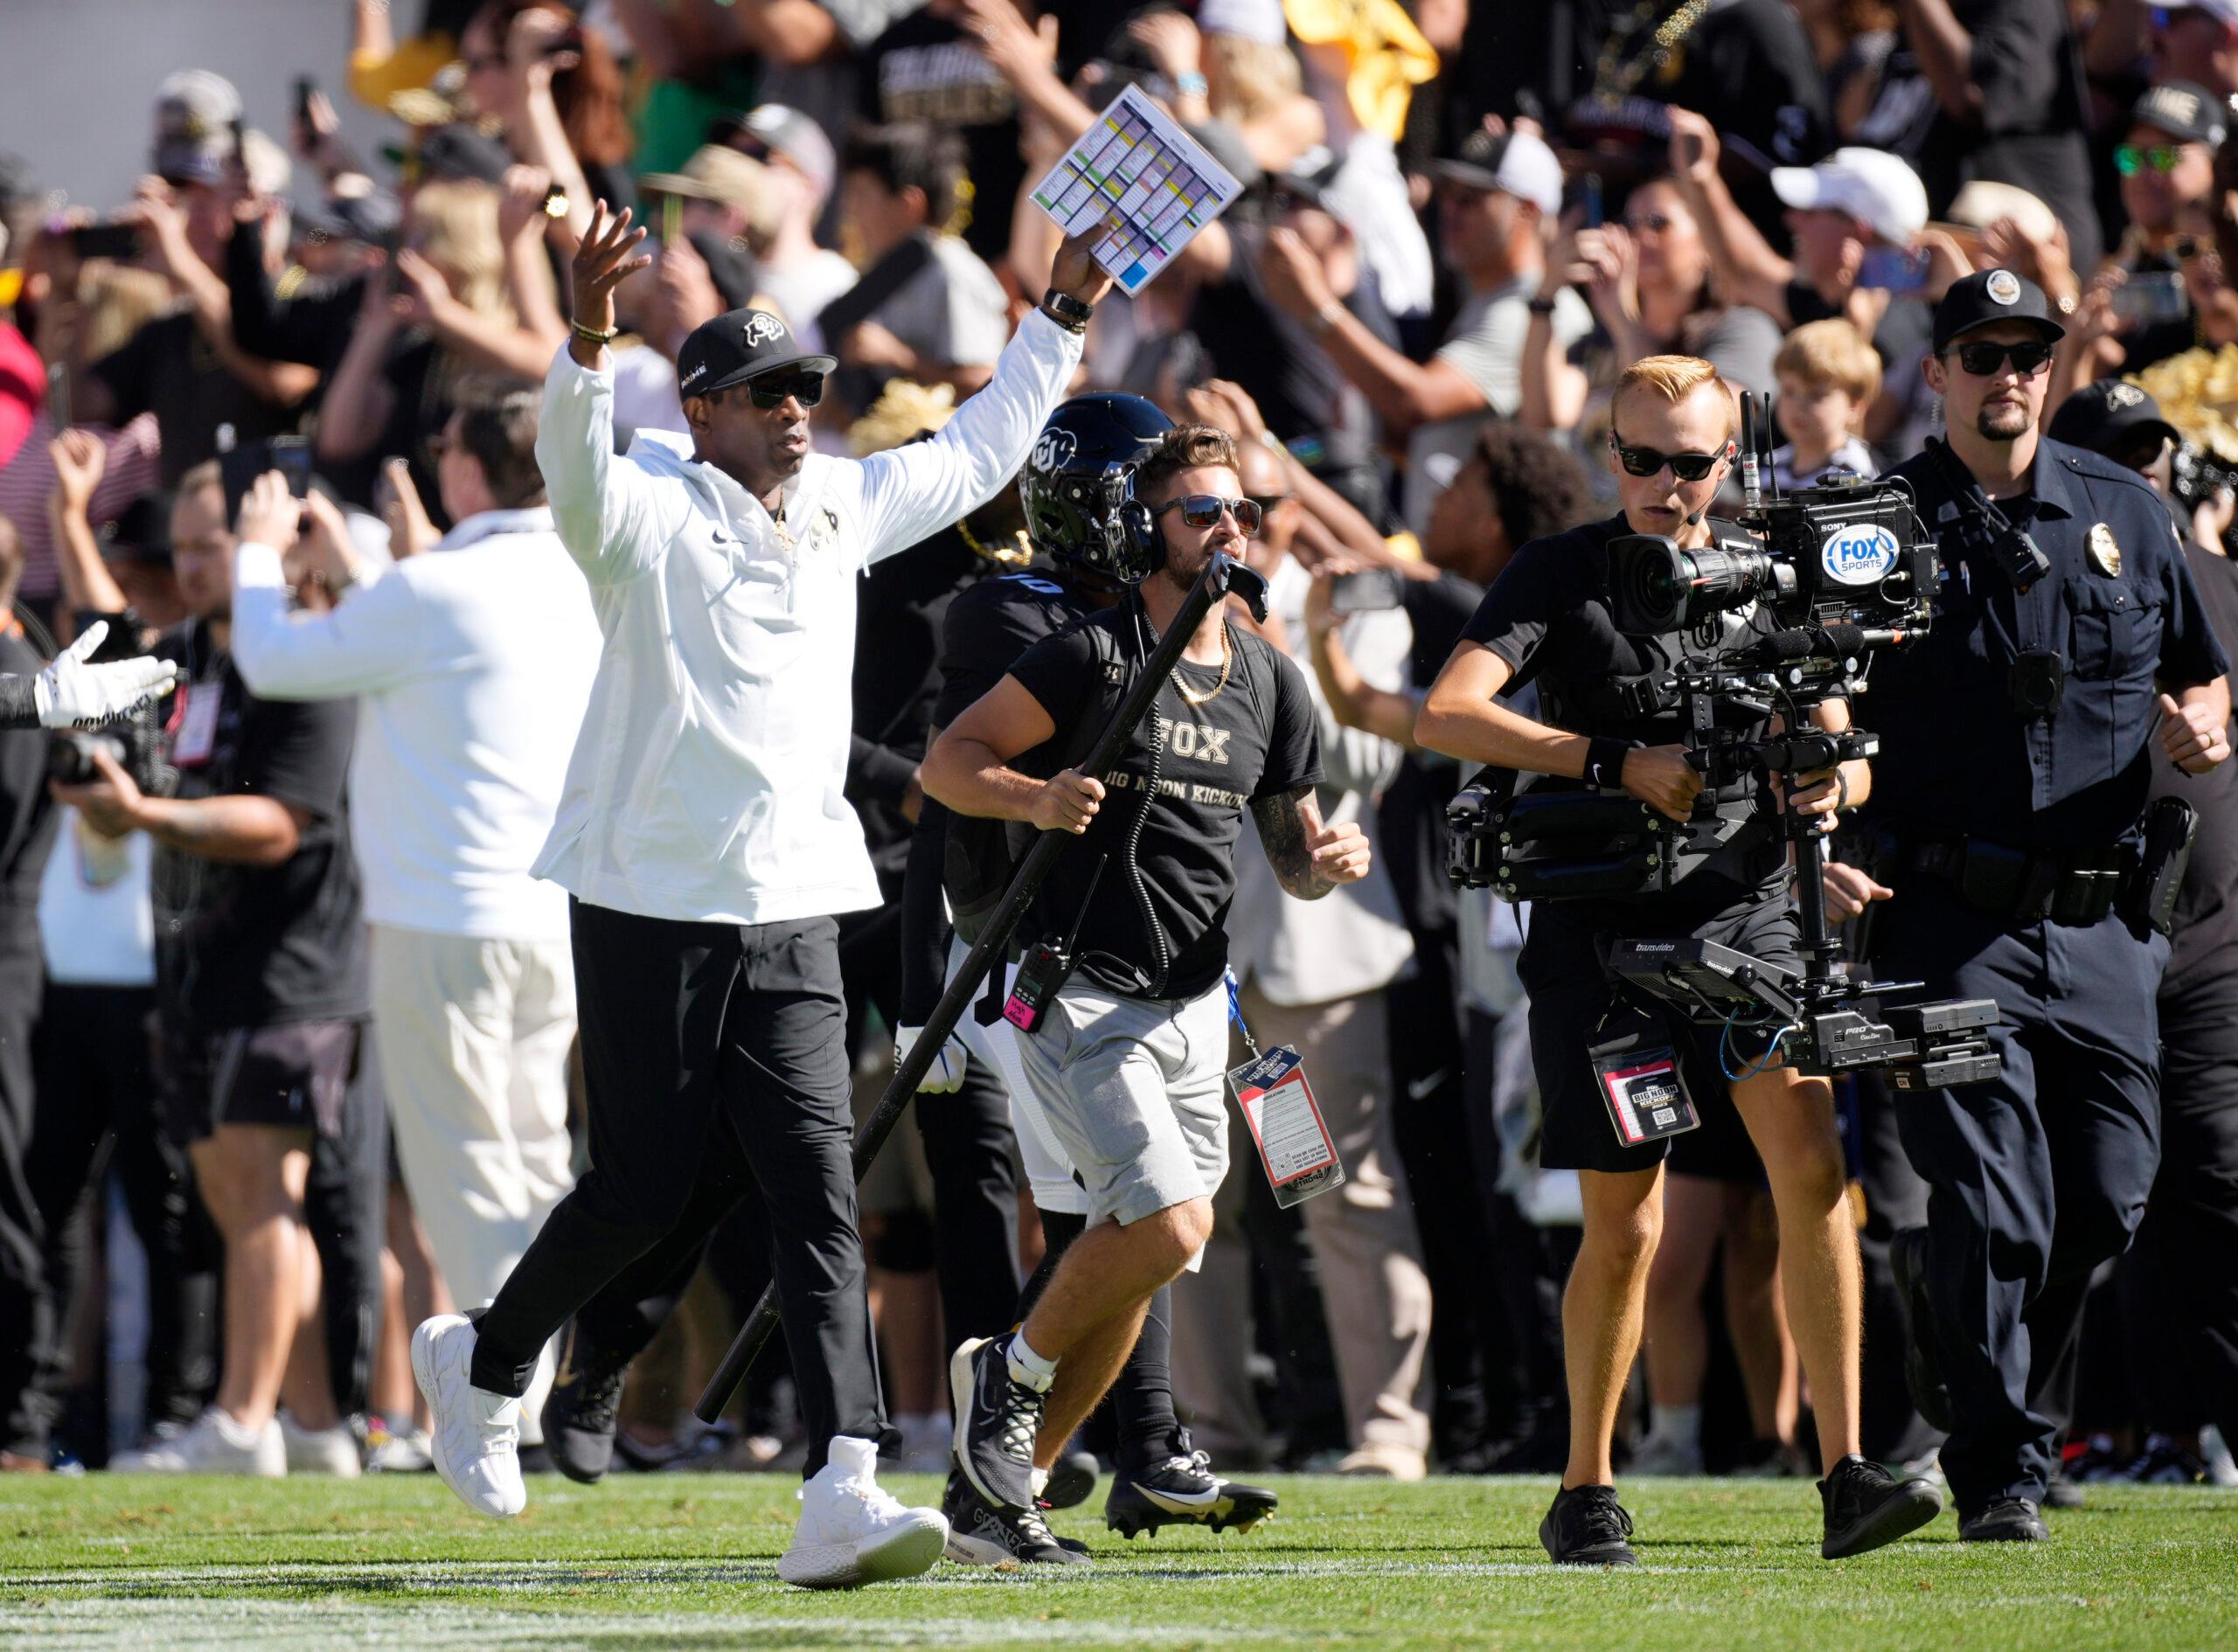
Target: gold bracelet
(592, 335)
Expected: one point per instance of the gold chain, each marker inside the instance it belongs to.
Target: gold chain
(1227, 658)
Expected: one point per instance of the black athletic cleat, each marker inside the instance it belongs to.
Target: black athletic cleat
(2007, 1520)
(1072, 1480)
(1183, 1490)
(1868, 1506)
(997, 1418)
(578, 1412)
(1922, 1368)
(981, 1535)
(1588, 1527)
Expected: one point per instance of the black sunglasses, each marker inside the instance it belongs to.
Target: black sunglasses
(1268, 503)
(1646, 462)
(1983, 360)
(771, 390)
(1203, 511)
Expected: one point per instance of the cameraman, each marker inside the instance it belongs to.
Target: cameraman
(2012, 816)
(1547, 619)
(1128, 1061)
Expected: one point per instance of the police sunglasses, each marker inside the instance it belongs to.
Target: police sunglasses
(1203, 511)
(1985, 360)
(770, 391)
(2130, 160)
(1646, 462)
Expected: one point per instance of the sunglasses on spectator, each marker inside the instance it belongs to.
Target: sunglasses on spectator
(1648, 461)
(1984, 361)
(1268, 503)
(2129, 159)
(1203, 511)
(770, 391)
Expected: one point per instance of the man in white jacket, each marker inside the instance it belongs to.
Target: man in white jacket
(708, 846)
(472, 664)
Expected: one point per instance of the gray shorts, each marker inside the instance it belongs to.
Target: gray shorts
(1135, 1090)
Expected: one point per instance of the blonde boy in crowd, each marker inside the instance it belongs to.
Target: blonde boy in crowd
(1827, 375)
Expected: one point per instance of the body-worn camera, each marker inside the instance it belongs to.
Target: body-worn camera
(1769, 621)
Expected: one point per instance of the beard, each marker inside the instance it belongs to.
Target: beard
(2003, 421)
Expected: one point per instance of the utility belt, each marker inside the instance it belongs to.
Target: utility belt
(2138, 877)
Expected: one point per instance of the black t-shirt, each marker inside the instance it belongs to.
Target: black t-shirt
(240, 946)
(1255, 738)
(168, 368)
(924, 68)
(2205, 945)
(27, 813)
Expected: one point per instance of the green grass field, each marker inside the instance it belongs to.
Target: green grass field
(689, 1562)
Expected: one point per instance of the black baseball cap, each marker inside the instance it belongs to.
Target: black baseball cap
(1992, 295)
(737, 346)
(2186, 112)
(2108, 415)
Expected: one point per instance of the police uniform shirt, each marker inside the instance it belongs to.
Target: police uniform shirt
(2119, 608)
(1255, 738)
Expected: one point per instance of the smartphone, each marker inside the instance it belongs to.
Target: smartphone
(58, 396)
(306, 89)
(1367, 591)
(1892, 270)
(291, 457)
(2154, 295)
(1596, 207)
(106, 240)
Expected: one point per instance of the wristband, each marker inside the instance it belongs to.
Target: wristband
(1069, 313)
(592, 335)
(1540, 304)
(1604, 763)
(1191, 84)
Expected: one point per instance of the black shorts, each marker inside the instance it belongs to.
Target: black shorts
(1562, 968)
(295, 1075)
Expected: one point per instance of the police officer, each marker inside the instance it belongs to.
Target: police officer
(1605, 719)
(2018, 744)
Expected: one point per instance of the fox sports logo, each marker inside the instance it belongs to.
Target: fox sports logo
(1860, 553)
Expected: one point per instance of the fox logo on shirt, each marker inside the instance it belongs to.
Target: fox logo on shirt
(1195, 740)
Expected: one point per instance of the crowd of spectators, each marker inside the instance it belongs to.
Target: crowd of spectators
(1461, 221)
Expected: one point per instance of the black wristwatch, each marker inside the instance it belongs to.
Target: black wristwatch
(1540, 304)
(1067, 311)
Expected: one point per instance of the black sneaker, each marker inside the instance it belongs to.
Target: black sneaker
(1072, 1480)
(997, 1418)
(1868, 1506)
(1922, 1368)
(2007, 1520)
(1183, 1490)
(1588, 1527)
(2165, 1463)
(981, 1535)
(578, 1412)
(2060, 1492)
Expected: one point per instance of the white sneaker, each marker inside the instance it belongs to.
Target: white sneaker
(409, 1453)
(321, 1451)
(852, 1532)
(1660, 1454)
(475, 1434)
(215, 1445)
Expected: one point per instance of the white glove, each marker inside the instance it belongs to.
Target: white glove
(945, 1076)
(72, 694)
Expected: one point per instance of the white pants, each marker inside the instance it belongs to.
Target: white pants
(473, 1037)
(1049, 1172)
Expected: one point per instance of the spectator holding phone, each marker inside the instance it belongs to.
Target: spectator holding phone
(2166, 163)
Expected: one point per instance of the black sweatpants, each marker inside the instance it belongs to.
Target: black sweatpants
(23, 1236)
(712, 1053)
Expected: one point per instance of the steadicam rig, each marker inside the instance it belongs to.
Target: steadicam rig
(1786, 616)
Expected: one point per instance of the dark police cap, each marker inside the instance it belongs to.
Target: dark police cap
(1992, 295)
(739, 345)
(2108, 415)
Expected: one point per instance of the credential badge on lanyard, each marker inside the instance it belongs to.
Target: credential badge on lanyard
(1294, 1147)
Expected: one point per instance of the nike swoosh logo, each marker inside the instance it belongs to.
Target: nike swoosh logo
(1174, 1504)
(1417, 1088)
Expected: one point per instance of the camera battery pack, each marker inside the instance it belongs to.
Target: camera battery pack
(1040, 975)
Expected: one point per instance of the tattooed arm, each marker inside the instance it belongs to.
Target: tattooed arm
(1309, 858)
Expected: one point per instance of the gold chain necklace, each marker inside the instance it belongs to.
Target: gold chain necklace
(1227, 658)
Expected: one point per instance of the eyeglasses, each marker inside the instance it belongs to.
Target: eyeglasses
(770, 391)
(1983, 361)
(1647, 462)
(1203, 511)
(2130, 160)
(1268, 503)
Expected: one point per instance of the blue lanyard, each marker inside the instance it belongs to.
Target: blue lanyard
(1236, 1013)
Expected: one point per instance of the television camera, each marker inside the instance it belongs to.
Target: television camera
(1765, 623)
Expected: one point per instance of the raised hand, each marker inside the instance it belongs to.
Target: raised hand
(79, 458)
(1076, 274)
(72, 694)
(605, 258)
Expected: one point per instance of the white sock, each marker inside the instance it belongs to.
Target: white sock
(1681, 1425)
(1029, 1368)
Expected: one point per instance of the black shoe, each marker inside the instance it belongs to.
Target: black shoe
(1868, 1506)
(997, 1418)
(1183, 1490)
(1922, 1368)
(981, 1535)
(578, 1412)
(2007, 1520)
(2062, 1493)
(2164, 1463)
(1588, 1527)
(1072, 1480)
